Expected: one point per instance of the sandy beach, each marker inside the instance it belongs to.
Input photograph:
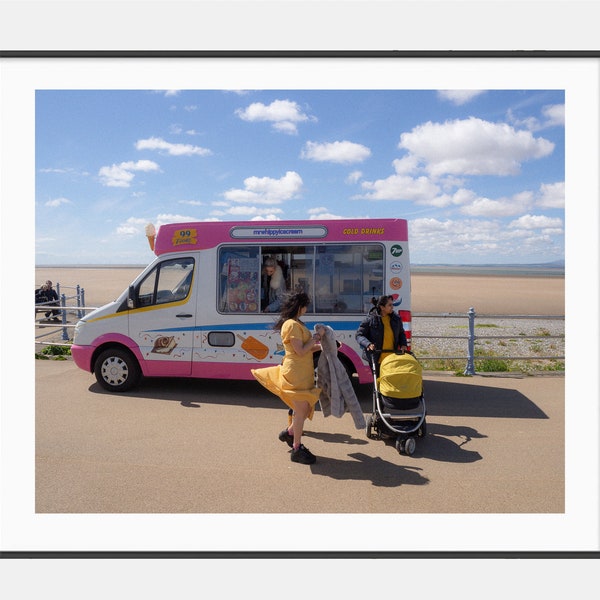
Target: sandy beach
(431, 293)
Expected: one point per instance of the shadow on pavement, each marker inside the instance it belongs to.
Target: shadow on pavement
(380, 472)
(436, 445)
(191, 393)
(447, 398)
(338, 438)
(453, 398)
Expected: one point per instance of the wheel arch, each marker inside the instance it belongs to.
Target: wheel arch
(116, 345)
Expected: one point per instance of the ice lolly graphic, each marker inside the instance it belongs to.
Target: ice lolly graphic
(150, 234)
(254, 347)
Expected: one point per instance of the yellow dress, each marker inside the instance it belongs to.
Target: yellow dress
(294, 378)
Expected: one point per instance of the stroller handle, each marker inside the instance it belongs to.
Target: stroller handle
(372, 355)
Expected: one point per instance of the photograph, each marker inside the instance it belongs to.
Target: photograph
(297, 305)
(157, 215)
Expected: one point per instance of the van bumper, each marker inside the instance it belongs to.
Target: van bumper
(82, 356)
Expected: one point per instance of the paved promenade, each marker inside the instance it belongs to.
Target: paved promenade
(201, 446)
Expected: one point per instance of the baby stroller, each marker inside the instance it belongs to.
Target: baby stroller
(398, 401)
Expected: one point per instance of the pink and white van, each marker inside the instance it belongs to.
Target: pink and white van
(196, 310)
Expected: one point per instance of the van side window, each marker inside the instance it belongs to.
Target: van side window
(347, 276)
(339, 278)
(238, 280)
(169, 281)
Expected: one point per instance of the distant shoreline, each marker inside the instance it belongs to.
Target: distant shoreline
(488, 271)
(462, 270)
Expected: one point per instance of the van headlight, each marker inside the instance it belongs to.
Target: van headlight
(78, 327)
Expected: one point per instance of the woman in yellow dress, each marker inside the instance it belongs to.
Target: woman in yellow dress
(294, 379)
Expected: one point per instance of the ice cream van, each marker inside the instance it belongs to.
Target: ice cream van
(202, 308)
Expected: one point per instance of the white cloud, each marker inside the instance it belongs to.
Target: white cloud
(405, 165)
(536, 222)
(127, 230)
(265, 190)
(503, 207)
(552, 195)
(57, 170)
(459, 97)
(55, 202)
(250, 211)
(192, 202)
(399, 187)
(322, 212)
(269, 217)
(136, 225)
(481, 241)
(354, 177)
(343, 152)
(282, 114)
(133, 226)
(171, 149)
(326, 216)
(473, 147)
(163, 218)
(122, 174)
(554, 114)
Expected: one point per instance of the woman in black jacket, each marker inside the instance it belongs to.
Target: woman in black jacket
(382, 330)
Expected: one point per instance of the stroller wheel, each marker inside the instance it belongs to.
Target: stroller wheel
(369, 428)
(406, 446)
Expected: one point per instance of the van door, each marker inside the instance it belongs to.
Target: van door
(163, 317)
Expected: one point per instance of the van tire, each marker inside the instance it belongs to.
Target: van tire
(117, 370)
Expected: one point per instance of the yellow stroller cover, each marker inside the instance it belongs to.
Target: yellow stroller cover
(400, 376)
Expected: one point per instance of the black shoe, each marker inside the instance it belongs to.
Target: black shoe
(303, 455)
(56, 320)
(285, 436)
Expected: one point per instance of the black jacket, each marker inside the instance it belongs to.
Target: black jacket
(370, 331)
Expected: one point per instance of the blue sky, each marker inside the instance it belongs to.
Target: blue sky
(478, 174)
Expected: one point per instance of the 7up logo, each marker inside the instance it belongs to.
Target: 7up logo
(396, 250)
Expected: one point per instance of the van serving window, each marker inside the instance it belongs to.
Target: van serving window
(339, 278)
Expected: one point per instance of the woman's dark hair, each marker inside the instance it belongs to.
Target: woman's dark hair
(383, 300)
(379, 302)
(291, 307)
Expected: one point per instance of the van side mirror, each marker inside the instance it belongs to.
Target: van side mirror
(131, 297)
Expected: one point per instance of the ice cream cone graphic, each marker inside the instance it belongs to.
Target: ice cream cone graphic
(151, 235)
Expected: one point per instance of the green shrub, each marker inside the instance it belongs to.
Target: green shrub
(57, 350)
(491, 365)
(54, 352)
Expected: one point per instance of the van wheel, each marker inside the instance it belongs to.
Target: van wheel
(116, 370)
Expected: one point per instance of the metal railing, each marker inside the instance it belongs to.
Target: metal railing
(79, 308)
(471, 337)
(74, 303)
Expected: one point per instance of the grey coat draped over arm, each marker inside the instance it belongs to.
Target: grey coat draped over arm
(337, 394)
